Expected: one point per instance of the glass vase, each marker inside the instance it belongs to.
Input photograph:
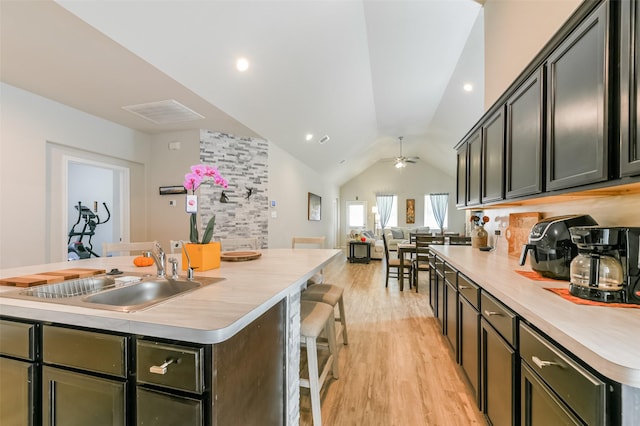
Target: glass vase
(479, 236)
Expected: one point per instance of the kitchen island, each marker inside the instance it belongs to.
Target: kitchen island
(252, 292)
(602, 341)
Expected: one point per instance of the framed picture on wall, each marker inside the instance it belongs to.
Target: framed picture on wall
(411, 210)
(315, 203)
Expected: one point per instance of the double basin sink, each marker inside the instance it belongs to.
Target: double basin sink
(127, 294)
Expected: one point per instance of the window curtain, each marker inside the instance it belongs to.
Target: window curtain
(384, 203)
(439, 204)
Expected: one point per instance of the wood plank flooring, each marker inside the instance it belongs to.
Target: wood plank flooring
(398, 368)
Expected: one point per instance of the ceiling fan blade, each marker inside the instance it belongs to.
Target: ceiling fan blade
(410, 161)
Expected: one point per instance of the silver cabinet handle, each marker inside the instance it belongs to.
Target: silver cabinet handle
(463, 287)
(161, 369)
(491, 313)
(542, 364)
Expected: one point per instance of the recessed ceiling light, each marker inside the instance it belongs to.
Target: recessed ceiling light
(468, 87)
(242, 64)
(308, 137)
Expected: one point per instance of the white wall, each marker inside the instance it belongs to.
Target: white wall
(515, 31)
(29, 123)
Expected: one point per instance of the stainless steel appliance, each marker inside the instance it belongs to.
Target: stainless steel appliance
(551, 246)
(607, 268)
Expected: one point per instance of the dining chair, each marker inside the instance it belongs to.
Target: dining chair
(393, 266)
(459, 241)
(318, 291)
(421, 259)
(127, 249)
(229, 244)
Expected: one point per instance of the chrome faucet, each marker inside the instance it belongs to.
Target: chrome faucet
(160, 259)
(189, 268)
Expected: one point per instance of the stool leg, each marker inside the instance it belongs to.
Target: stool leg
(333, 347)
(314, 384)
(343, 321)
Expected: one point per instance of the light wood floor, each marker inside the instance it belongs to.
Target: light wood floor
(397, 368)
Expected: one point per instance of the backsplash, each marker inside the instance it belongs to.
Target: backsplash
(243, 162)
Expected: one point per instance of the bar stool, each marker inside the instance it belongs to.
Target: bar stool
(314, 318)
(331, 295)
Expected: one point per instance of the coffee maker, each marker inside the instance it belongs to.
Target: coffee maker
(607, 267)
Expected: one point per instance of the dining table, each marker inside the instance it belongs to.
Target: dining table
(403, 249)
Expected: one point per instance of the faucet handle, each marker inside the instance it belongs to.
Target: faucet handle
(159, 247)
(174, 267)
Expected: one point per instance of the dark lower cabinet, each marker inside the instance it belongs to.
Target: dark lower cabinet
(17, 390)
(451, 318)
(577, 108)
(76, 399)
(156, 408)
(540, 406)
(441, 296)
(468, 341)
(629, 94)
(499, 373)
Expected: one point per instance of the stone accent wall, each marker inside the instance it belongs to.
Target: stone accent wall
(243, 162)
(293, 359)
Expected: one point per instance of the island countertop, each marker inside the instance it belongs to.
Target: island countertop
(208, 315)
(606, 338)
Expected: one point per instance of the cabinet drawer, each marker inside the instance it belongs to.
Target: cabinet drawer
(171, 366)
(500, 317)
(450, 275)
(17, 339)
(86, 350)
(172, 410)
(469, 290)
(579, 389)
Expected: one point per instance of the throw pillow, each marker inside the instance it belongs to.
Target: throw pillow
(398, 234)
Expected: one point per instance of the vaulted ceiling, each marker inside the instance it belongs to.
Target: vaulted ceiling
(361, 72)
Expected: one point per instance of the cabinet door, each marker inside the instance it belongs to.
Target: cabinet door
(74, 399)
(577, 139)
(493, 158)
(629, 95)
(451, 319)
(17, 391)
(469, 350)
(525, 138)
(159, 408)
(461, 179)
(474, 166)
(539, 405)
(499, 378)
(441, 295)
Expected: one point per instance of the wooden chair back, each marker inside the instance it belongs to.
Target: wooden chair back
(127, 249)
(316, 242)
(229, 244)
(459, 241)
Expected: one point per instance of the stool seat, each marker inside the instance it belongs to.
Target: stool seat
(332, 295)
(313, 318)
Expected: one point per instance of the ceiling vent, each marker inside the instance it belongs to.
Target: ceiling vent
(324, 139)
(164, 112)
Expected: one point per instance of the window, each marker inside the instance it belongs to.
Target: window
(393, 219)
(429, 219)
(356, 214)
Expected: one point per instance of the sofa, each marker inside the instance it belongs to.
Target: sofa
(398, 235)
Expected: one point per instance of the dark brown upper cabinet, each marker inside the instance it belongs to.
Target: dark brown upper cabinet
(474, 168)
(577, 112)
(461, 183)
(525, 138)
(493, 158)
(629, 95)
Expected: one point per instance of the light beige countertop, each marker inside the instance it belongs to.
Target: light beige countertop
(606, 338)
(210, 314)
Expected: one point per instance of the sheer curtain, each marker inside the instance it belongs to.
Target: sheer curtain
(439, 204)
(384, 203)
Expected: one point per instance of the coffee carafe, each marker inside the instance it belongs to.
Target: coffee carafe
(607, 266)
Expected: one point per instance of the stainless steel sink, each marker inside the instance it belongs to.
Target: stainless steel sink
(105, 292)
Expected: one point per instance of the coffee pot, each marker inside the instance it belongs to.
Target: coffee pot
(606, 268)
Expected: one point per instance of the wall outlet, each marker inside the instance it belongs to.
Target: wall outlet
(175, 245)
(172, 203)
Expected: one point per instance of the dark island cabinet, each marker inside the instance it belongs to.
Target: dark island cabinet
(461, 179)
(629, 95)
(492, 167)
(474, 168)
(525, 138)
(577, 112)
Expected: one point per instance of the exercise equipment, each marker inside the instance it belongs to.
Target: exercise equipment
(76, 249)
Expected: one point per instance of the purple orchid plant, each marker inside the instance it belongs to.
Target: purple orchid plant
(192, 182)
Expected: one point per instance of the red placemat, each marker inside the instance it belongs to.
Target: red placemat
(564, 293)
(533, 275)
